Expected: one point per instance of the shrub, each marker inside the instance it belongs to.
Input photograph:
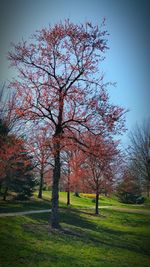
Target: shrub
(47, 187)
(130, 198)
(44, 188)
(140, 199)
(21, 197)
(24, 186)
(76, 194)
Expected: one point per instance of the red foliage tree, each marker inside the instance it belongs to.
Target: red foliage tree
(99, 164)
(39, 147)
(59, 84)
(11, 156)
(129, 183)
(73, 158)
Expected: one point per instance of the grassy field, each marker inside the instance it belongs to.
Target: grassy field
(76, 202)
(112, 239)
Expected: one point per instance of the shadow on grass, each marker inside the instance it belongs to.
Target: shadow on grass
(30, 240)
(31, 250)
(16, 206)
(73, 224)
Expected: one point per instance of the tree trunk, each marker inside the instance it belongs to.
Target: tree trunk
(41, 184)
(68, 190)
(68, 197)
(56, 171)
(5, 193)
(148, 188)
(96, 204)
(55, 188)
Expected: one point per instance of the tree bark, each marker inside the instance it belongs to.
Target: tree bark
(96, 204)
(41, 184)
(68, 197)
(55, 188)
(56, 171)
(5, 193)
(148, 188)
(68, 190)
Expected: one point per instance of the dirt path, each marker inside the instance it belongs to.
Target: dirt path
(21, 213)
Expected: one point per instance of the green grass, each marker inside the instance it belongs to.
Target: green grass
(33, 204)
(113, 239)
(76, 202)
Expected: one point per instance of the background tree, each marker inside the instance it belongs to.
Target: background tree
(8, 116)
(60, 84)
(7, 121)
(99, 164)
(15, 167)
(128, 189)
(72, 161)
(24, 181)
(65, 181)
(139, 153)
(40, 148)
(15, 164)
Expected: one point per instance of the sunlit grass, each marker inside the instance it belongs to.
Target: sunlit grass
(113, 239)
(76, 202)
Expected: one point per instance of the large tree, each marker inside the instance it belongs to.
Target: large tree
(60, 85)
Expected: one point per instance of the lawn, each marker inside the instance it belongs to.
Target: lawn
(86, 202)
(76, 202)
(112, 239)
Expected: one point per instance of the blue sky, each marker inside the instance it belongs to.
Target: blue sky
(128, 59)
